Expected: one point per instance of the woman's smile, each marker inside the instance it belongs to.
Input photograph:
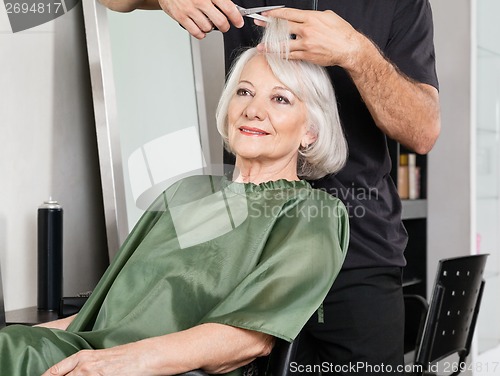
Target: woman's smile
(251, 131)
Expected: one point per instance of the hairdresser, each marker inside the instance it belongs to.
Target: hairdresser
(380, 57)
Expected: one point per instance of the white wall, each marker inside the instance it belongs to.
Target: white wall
(450, 171)
(47, 148)
(488, 168)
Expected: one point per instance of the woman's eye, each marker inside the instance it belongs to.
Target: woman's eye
(242, 92)
(281, 99)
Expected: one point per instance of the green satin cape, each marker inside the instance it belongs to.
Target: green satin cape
(260, 257)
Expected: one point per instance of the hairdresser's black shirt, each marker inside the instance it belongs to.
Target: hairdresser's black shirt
(403, 30)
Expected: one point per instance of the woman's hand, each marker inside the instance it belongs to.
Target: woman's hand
(108, 362)
(323, 38)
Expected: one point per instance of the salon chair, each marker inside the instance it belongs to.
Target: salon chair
(445, 326)
(276, 364)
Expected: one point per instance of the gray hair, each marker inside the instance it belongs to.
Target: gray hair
(311, 84)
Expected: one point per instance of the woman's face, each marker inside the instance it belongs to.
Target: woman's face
(266, 121)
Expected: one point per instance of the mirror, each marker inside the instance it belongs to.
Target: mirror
(154, 106)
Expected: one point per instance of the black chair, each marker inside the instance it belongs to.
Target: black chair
(416, 308)
(450, 318)
(280, 358)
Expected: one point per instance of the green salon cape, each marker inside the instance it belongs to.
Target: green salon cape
(260, 257)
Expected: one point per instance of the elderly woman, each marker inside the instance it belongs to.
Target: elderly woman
(216, 269)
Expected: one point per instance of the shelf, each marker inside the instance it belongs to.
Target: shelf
(414, 215)
(414, 209)
(29, 316)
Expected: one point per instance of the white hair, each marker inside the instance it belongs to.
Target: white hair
(312, 85)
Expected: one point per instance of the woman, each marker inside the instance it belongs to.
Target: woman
(216, 269)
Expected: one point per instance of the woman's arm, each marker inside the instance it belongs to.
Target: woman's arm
(215, 348)
(58, 324)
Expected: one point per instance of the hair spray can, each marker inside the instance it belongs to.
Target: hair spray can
(50, 268)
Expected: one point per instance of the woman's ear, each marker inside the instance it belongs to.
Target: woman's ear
(309, 138)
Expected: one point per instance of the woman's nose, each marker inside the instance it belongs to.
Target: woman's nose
(256, 109)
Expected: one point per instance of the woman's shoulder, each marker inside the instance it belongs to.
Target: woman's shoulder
(328, 212)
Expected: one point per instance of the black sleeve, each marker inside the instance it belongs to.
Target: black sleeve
(411, 46)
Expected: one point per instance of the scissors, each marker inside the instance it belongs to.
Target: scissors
(252, 12)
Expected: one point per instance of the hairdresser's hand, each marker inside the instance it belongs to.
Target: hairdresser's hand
(108, 362)
(199, 17)
(322, 38)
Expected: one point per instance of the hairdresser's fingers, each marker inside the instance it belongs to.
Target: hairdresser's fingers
(188, 15)
(230, 14)
(303, 49)
(215, 13)
(198, 27)
(290, 14)
(199, 17)
(306, 56)
(259, 22)
(297, 27)
(292, 45)
(325, 39)
(297, 45)
(298, 50)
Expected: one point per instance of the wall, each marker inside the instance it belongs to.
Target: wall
(450, 210)
(488, 170)
(47, 148)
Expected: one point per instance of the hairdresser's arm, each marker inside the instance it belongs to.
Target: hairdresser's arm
(58, 324)
(130, 5)
(405, 110)
(198, 17)
(215, 348)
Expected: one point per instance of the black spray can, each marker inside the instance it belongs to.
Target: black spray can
(50, 263)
